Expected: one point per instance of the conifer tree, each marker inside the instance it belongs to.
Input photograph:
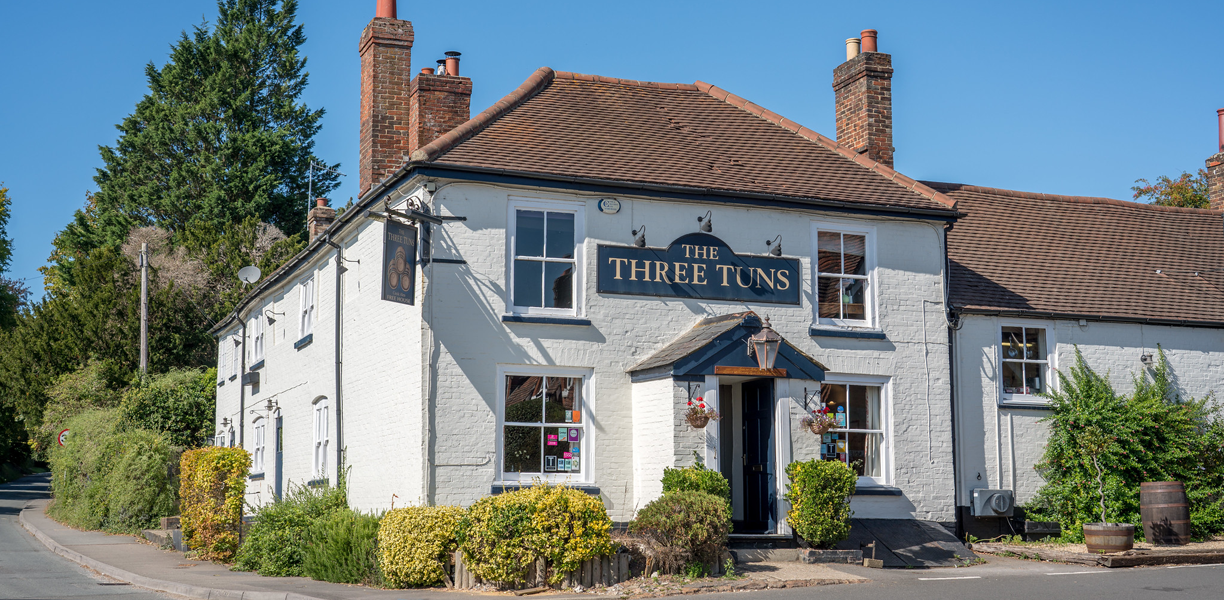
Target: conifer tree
(220, 137)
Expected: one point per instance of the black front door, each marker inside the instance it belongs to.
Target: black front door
(758, 457)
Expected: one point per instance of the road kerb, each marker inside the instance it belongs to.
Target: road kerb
(157, 585)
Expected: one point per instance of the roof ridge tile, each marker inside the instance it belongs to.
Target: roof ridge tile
(961, 187)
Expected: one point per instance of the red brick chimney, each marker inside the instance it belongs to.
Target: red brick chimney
(386, 73)
(1215, 169)
(863, 89)
(440, 103)
(319, 219)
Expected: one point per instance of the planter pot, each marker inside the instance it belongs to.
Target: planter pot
(1165, 513)
(1109, 537)
(698, 421)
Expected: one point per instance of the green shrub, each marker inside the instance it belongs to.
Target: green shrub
(696, 478)
(1148, 435)
(694, 523)
(275, 544)
(413, 544)
(180, 403)
(342, 547)
(111, 477)
(213, 489)
(95, 386)
(819, 495)
(501, 536)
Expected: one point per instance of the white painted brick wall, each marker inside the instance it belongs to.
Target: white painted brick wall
(1000, 444)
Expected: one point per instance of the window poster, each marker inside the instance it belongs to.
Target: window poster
(550, 463)
(574, 464)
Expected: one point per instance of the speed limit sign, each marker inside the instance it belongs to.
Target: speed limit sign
(63, 437)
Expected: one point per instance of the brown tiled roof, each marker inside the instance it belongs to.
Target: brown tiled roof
(1018, 252)
(693, 136)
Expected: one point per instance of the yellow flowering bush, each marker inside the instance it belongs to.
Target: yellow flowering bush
(503, 535)
(413, 544)
(211, 490)
(819, 495)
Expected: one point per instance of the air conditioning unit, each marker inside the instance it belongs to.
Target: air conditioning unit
(993, 503)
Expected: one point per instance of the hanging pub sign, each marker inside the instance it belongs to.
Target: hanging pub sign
(698, 265)
(399, 262)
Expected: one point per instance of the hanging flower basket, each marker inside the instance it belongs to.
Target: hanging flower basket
(698, 415)
(819, 423)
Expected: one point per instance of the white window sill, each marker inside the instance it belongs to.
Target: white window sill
(841, 331)
(1024, 401)
(546, 319)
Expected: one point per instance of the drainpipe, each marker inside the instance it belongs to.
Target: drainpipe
(339, 363)
(241, 385)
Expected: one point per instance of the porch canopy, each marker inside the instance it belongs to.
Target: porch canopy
(719, 346)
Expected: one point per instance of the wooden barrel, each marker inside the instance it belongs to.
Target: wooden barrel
(1109, 537)
(1165, 512)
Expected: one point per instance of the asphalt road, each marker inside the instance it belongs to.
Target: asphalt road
(29, 571)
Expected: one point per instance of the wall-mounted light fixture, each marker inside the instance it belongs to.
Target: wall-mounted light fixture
(268, 314)
(1147, 359)
(775, 246)
(707, 222)
(639, 237)
(764, 344)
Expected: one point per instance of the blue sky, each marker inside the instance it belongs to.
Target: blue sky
(1057, 97)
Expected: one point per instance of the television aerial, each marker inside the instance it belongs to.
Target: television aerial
(249, 275)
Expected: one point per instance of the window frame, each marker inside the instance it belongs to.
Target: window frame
(1006, 399)
(258, 338)
(586, 461)
(578, 209)
(887, 447)
(257, 454)
(870, 267)
(322, 439)
(306, 306)
(235, 355)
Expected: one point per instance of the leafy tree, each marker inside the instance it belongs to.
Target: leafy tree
(1187, 191)
(179, 404)
(220, 138)
(13, 292)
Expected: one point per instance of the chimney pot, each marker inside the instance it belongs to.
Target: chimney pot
(321, 202)
(852, 48)
(452, 63)
(869, 40)
(321, 217)
(442, 67)
(386, 9)
(1220, 116)
(427, 71)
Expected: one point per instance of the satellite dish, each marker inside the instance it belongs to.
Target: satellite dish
(249, 274)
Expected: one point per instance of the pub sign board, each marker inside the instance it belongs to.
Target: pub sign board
(399, 262)
(701, 266)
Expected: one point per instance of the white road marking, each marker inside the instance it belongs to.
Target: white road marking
(1077, 573)
(945, 578)
(1192, 566)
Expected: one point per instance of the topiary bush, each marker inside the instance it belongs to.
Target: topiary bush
(819, 495)
(413, 544)
(1150, 434)
(696, 478)
(180, 403)
(112, 477)
(212, 491)
(502, 536)
(342, 547)
(684, 527)
(275, 543)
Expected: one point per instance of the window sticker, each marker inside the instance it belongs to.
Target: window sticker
(573, 434)
(574, 464)
(550, 463)
(566, 455)
(552, 439)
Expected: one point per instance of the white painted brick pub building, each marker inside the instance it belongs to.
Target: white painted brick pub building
(589, 254)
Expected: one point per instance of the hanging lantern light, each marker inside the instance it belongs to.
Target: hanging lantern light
(765, 344)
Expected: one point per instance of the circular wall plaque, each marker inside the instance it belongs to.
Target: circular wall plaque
(609, 206)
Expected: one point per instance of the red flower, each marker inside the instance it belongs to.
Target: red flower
(703, 405)
(690, 402)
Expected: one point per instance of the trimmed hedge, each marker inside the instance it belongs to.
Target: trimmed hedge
(819, 495)
(212, 492)
(275, 545)
(342, 547)
(696, 524)
(696, 478)
(503, 535)
(413, 544)
(111, 477)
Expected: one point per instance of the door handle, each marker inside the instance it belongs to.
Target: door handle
(758, 468)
